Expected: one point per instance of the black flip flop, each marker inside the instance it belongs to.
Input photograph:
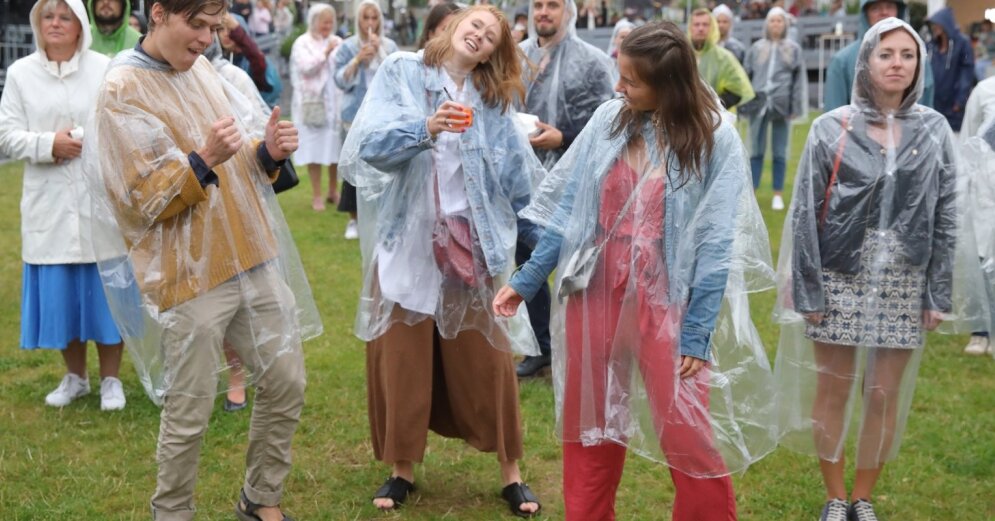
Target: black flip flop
(516, 494)
(395, 489)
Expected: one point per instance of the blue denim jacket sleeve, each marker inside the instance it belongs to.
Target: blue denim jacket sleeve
(389, 149)
(342, 58)
(529, 278)
(713, 239)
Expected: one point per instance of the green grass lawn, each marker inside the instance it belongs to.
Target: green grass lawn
(80, 463)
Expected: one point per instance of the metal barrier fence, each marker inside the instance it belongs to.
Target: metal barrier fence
(17, 43)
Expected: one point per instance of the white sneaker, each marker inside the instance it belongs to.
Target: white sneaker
(351, 230)
(111, 394)
(71, 387)
(777, 203)
(979, 345)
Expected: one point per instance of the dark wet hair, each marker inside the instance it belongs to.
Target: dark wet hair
(434, 18)
(687, 114)
(187, 8)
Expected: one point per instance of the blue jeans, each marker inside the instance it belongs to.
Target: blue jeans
(758, 147)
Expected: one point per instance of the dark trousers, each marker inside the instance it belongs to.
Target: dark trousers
(539, 305)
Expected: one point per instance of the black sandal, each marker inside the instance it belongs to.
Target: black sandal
(395, 489)
(516, 494)
(249, 512)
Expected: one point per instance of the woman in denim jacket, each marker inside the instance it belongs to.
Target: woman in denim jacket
(651, 224)
(356, 63)
(441, 173)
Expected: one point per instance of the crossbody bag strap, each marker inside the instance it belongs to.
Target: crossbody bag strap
(836, 168)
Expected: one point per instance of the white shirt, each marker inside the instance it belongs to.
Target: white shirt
(408, 274)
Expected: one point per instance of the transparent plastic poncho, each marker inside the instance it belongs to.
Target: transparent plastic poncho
(885, 241)
(671, 247)
(978, 165)
(388, 156)
(778, 75)
(183, 241)
(566, 80)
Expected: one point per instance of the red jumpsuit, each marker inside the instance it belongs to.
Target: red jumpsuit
(623, 318)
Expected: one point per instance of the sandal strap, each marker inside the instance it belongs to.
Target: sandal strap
(395, 489)
(516, 494)
(251, 508)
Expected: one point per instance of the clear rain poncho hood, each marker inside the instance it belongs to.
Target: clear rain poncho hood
(776, 68)
(571, 80)
(875, 236)
(390, 158)
(678, 260)
(183, 239)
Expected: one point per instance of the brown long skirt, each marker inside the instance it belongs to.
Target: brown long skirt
(460, 388)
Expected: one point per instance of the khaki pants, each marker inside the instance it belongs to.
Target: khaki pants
(254, 312)
(461, 388)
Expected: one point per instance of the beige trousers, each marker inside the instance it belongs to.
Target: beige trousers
(251, 311)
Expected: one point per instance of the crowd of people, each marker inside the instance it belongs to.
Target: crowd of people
(500, 153)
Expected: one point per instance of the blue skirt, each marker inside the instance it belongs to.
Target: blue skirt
(64, 302)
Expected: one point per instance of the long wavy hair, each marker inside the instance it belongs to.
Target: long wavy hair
(687, 114)
(499, 79)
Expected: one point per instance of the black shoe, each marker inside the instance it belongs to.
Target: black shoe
(231, 406)
(532, 365)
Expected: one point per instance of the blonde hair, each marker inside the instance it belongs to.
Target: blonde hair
(499, 79)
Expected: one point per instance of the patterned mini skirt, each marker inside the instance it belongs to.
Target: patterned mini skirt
(880, 306)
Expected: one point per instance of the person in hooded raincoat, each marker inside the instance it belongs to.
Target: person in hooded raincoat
(621, 30)
(572, 79)
(656, 239)
(46, 100)
(717, 66)
(724, 18)
(978, 134)
(441, 173)
(840, 73)
(776, 67)
(952, 59)
(316, 101)
(356, 63)
(180, 175)
(867, 267)
(109, 28)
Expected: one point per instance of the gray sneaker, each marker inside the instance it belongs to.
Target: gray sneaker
(835, 510)
(861, 510)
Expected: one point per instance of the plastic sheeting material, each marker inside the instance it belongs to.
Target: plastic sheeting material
(183, 241)
(887, 240)
(389, 156)
(673, 248)
(777, 73)
(571, 80)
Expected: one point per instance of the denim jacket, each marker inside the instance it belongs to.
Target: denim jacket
(387, 156)
(702, 220)
(354, 90)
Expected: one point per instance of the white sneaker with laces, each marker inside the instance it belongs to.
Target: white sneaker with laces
(978, 345)
(111, 394)
(72, 386)
(351, 230)
(777, 203)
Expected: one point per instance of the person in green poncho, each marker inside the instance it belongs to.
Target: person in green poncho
(109, 26)
(718, 67)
